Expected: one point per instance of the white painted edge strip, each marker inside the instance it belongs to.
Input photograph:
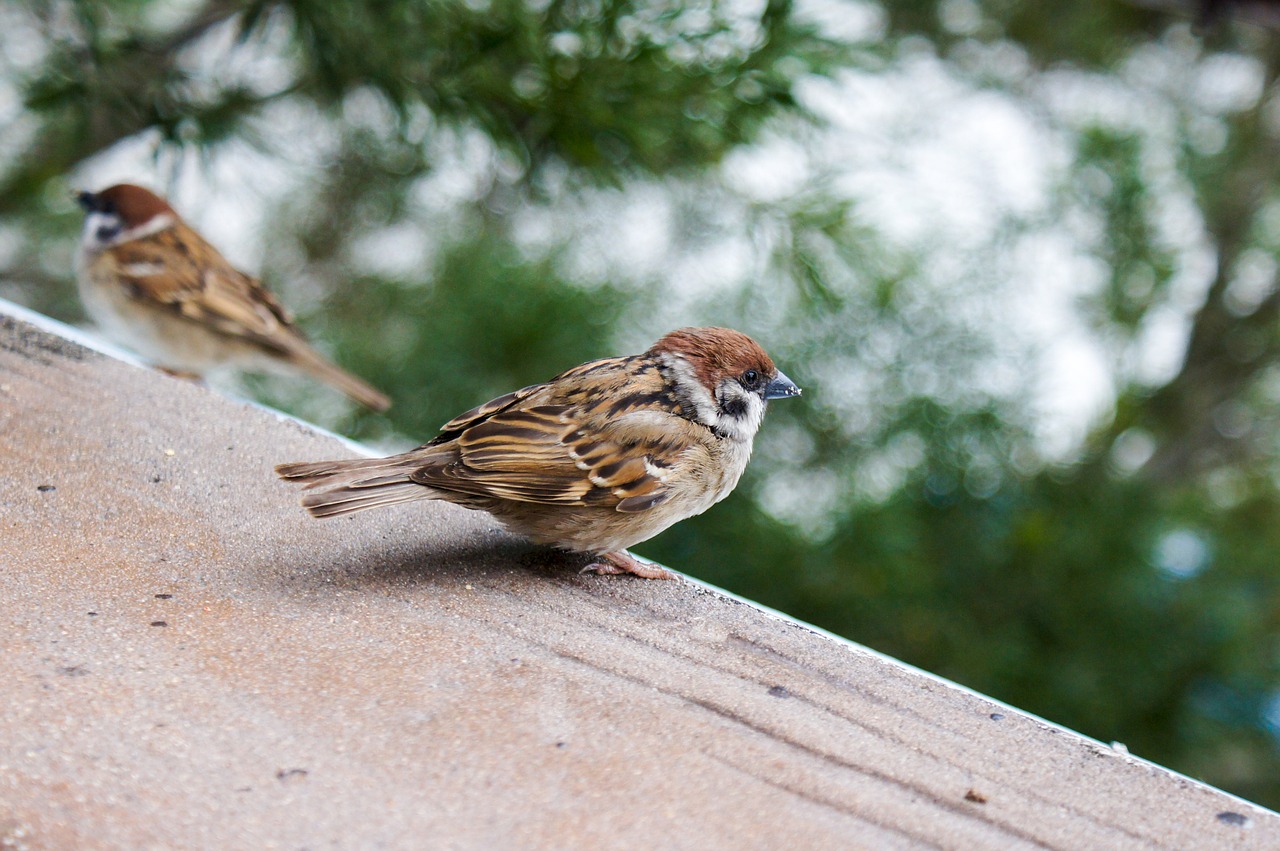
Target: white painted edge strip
(102, 346)
(90, 341)
(69, 332)
(1116, 749)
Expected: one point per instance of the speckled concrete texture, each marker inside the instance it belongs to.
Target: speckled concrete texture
(190, 661)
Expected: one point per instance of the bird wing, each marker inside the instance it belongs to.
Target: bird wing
(178, 270)
(605, 368)
(563, 444)
(480, 413)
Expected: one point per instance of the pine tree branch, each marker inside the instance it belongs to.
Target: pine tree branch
(1225, 351)
(61, 144)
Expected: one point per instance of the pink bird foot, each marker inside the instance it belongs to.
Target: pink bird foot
(624, 562)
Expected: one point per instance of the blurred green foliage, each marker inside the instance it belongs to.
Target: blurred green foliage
(491, 324)
(478, 195)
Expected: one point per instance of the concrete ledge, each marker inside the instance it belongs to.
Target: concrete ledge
(189, 660)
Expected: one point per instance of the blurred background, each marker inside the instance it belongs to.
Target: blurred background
(1021, 256)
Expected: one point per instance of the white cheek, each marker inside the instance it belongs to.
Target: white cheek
(115, 233)
(690, 391)
(750, 424)
(95, 221)
(706, 408)
(745, 426)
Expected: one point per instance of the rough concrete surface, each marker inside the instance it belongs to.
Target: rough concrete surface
(190, 661)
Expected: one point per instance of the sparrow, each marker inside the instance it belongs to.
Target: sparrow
(155, 285)
(598, 459)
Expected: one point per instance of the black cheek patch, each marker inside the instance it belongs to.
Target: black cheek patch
(736, 408)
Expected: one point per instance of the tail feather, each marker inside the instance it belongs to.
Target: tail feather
(353, 485)
(349, 500)
(315, 473)
(318, 367)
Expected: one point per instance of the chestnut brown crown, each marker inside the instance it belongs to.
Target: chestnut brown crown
(133, 204)
(717, 353)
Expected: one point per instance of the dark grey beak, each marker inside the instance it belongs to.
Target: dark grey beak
(780, 388)
(87, 200)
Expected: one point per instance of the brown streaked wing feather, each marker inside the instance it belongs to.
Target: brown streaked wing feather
(515, 454)
(480, 413)
(483, 412)
(178, 277)
(564, 454)
(238, 305)
(199, 283)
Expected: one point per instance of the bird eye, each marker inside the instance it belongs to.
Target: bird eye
(750, 377)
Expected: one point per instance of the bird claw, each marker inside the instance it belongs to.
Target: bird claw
(609, 564)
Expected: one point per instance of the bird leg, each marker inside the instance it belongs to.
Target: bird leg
(622, 561)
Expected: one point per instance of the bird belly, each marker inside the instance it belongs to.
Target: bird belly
(158, 333)
(580, 528)
(597, 529)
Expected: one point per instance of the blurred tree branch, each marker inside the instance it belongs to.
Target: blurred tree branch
(1209, 13)
(591, 87)
(107, 93)
(1225, 351)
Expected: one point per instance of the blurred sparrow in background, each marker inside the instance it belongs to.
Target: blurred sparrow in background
(155, 285)
(598, 459)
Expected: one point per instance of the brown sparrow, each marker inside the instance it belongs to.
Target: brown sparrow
(599, 458)
(158, 287)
